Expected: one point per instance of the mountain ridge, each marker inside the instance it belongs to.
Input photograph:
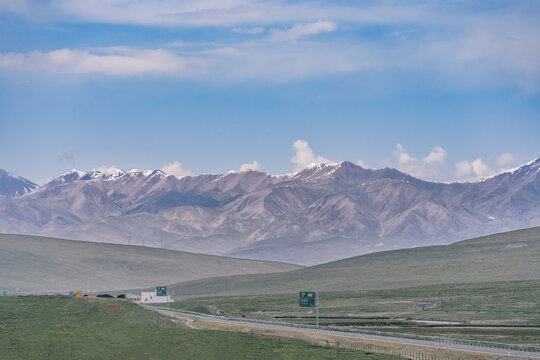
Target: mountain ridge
(321, 213)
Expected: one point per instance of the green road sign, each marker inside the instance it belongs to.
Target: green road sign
(161, 291)
(307, 299)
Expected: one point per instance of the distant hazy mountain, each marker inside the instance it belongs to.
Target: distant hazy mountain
(14, 186)
(322, 213)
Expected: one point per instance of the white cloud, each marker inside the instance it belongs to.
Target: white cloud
(503, 45)
(14, 6)
(477, 168)
(471, 170)
(229, 51)
(302, 30)
(217, 12)
(250, 166)
(455, 46)
(243, 62)
(506, 161)
(361, 163)
(176, 168)
(429, 167)
(192, 44)
(304, 155)
(180, 43)
(111, 61)
(402, 155)
(250, 31)
(463, 170)
(283, 62)
(437, 156)
(404, 35)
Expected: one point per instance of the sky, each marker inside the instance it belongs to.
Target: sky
(443, 90)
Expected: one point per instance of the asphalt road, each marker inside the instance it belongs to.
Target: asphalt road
(387, 339)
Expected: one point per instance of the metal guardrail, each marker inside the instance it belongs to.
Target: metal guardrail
(369, 332)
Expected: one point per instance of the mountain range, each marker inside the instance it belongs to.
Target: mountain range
(322, 213)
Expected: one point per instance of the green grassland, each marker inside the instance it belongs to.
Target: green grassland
(510, 256)
(60, 327)
(35, 264)
(500, 311)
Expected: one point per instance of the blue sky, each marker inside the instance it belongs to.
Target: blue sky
(446, 90)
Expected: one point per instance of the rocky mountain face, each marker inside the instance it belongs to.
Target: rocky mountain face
(14, 186)
(322, 213)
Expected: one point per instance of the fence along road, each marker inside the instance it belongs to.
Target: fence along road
(345, 333)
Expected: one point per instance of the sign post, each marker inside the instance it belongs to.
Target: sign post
(310, 299)
(317, 307)
(162, 291)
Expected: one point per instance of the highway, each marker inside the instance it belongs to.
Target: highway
(435, 345)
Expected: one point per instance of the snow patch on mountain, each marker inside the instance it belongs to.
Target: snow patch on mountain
(103, 173)
(533, 166)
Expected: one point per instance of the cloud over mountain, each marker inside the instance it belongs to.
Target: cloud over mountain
(175, 168)
(304, 155)
(250, 166)
(429, 167)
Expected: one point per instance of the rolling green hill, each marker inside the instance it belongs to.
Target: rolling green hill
(507, 256)
(61, 327)
(34, 264)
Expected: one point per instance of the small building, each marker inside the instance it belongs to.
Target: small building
(151, 297)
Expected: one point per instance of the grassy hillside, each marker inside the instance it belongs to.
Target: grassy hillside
(507, 256)
(40, 264)
(507, 312)
(54, 327)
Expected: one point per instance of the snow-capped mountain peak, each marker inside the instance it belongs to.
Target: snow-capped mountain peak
(15, 186)
(136, 173)
(317, 169)
(531, 168)
(103, 174)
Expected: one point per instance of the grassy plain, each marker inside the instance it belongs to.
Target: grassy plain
(60, 327)
(506, 312)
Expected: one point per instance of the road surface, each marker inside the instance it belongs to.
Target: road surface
(386, 339)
